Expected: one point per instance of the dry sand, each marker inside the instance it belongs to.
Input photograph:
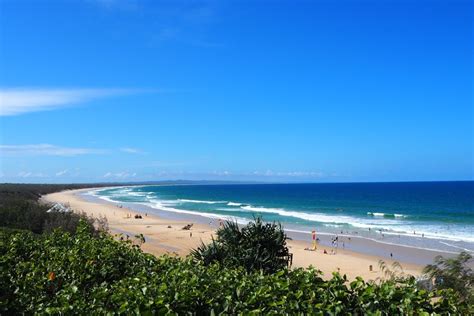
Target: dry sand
(165, 236)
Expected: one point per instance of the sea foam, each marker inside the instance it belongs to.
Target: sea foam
(234, 204)
(201, 201)
(388, 215)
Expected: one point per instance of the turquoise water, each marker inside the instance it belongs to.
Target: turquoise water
(432, 215)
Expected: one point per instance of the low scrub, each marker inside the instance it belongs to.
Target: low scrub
(64, 273)
(20, 208)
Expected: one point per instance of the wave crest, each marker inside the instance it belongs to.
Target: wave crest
(234, 204)
(201, 201)
(387, 215)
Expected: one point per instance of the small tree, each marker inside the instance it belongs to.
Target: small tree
(257, 246)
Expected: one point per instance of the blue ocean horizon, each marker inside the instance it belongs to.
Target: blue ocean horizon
(429, 215)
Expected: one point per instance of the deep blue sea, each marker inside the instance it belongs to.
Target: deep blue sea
(431, 215)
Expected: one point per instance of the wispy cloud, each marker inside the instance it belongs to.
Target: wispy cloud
(120, 175)
(222, 173)
(22, 100)
(62, 173)
(46, 150)
(131, 150)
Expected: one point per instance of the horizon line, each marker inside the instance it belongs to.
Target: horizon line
(229, 182)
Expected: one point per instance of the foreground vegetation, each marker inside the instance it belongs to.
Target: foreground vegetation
(78, 273)
(79, 269)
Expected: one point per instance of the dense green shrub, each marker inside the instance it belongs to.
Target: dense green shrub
(78, 273)
(256, 246)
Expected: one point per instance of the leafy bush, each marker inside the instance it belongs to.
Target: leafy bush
(63, 273)
(256, 246)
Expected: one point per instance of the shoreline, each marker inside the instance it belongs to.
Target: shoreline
(160, 239)
(398, 235)
(356, 244)
(359, 241)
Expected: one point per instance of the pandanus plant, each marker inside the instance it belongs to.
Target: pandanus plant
(256, 246)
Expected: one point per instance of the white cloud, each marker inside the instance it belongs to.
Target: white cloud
(120, 175)
(22, 100)
(61, 173)
(131, 150)
(263, 173)
(46, 150)
(222, 173)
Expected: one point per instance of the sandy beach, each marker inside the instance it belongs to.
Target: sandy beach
(166, 236)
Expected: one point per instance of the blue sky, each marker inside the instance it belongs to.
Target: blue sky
(323, 91)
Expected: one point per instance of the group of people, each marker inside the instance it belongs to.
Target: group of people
(334, 244)
(138, 216)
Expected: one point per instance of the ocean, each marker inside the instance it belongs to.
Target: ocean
(429, 215)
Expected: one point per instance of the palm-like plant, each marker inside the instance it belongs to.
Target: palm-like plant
(453, 273)
(257, 246)
(207, 254)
